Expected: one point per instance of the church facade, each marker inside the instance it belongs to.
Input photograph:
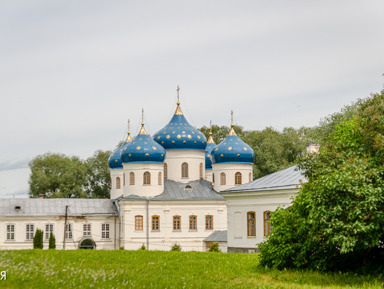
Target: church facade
(165, 190)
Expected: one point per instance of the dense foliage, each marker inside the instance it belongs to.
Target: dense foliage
(337, 220)
(57, 176)
(61, 176)
(38, 239)
(98, 176)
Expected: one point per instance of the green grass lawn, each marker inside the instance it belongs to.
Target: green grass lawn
(157, 269)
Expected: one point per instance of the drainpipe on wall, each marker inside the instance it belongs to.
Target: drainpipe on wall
(147, 223)
(114, 230)
(119, 224)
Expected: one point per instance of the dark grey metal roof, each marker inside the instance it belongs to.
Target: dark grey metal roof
(195, 190)
(56, 207)
(289, 178)
(200, 190)
(217, 236)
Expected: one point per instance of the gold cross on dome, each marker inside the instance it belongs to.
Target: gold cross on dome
(178, 95)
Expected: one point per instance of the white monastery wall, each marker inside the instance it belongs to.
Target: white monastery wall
(239, 204)
(20, 241)
(164, 238)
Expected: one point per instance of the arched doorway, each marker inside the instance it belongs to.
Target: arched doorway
(87, 244)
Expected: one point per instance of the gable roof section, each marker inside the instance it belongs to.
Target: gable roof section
(289, 178)
(56, 207)
(200, 190)
(217, 236)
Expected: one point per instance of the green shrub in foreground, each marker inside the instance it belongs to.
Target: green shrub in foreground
(52, 241)
(214, 247)
(176, 247)
(38, 240)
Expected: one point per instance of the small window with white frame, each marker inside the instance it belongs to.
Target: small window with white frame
(10, 232)
(68, 231)
(87, 230)
(105, 231)
(29, 231)
(48, 230)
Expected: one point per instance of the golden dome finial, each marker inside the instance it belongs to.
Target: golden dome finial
(142, 130)
(232, 131)
(178, 109)
(178, 95)
(210, 139)
(129, 139)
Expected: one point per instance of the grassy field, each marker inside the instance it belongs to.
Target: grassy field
(156, 269)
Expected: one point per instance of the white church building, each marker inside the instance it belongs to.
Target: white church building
(167, 189)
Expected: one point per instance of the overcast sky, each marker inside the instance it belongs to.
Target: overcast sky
(73, 72)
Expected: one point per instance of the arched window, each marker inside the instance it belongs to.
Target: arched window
(213, 178)
(147, 178)
(201, 171)
(176, 223)
(267, 225)
(251, 224)
(238, 178)
(165, 171)
(118, 183)
(223, 180)
(131, 179)
(138, 223)
(160, 179)
(250, 177)
(184, 170)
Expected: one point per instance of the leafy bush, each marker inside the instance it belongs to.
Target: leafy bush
(337, 222)
(143, 247)
(52, 241)
(176, 247)
(214, 247)
(38, 239)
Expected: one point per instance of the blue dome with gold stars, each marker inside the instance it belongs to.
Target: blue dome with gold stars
(143, 149)
(114, 161)
(232, 150)
(210, 145)
(178, 134)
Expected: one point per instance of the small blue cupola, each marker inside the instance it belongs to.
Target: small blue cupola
(115, 158)
(232, 150)
(210, 146)
(143, 149)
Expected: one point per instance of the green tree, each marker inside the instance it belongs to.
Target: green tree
(57, 176)
(98, 176)
(52, 241)
(337, 220)
(38, 239)
(219, 133)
